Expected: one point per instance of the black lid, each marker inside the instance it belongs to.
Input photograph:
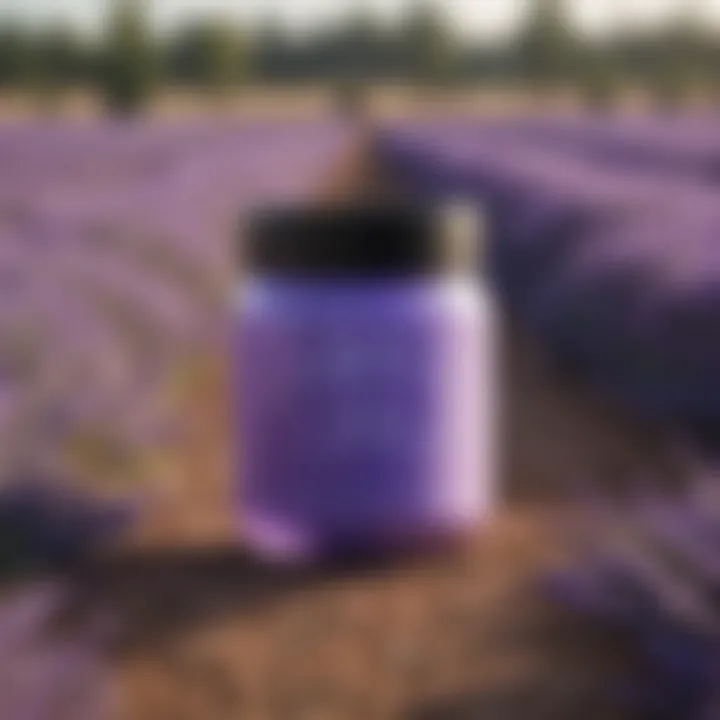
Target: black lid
(347, 240)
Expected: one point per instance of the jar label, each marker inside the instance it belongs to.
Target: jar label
(354, 426)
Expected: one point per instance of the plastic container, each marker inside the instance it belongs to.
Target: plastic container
(365, 382)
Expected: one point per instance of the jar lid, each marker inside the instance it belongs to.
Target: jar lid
(357, 240)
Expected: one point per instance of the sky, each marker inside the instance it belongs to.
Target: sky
(491, 19)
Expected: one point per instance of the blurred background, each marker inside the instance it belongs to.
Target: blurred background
(82, 55)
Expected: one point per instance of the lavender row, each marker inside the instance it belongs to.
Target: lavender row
(616, 270)
(116, 256)
(687, 148)
(46, 674)
(647, 575)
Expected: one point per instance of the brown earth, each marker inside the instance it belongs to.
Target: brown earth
(297, 100)
(205, 633)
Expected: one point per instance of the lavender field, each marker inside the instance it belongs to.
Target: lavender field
(118, 254)
(119, 251)
(602, 243)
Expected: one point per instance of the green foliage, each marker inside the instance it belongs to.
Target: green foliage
(547, 51)
(431, 51)
(271, 56)
(58, 62)
(210, 54)
(129, 66)
(359, 47)
(600, 77)
(681, 55)
(670, 80)
(15, 57)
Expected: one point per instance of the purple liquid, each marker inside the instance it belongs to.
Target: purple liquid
(364, 423)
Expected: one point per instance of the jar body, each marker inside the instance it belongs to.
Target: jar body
(365, 411)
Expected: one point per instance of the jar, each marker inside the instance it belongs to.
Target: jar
(365, 381)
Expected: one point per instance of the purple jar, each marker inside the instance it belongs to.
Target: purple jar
(364, 356)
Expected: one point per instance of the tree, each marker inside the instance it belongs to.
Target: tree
(15, 57)
(59, 62)
(679, 60)
(130, 63)
(270, 50)
(429, 45)
(599, 75)
(210, 54)
(361, 44)
(547, 51)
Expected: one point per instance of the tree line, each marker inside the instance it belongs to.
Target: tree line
(129, 63)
